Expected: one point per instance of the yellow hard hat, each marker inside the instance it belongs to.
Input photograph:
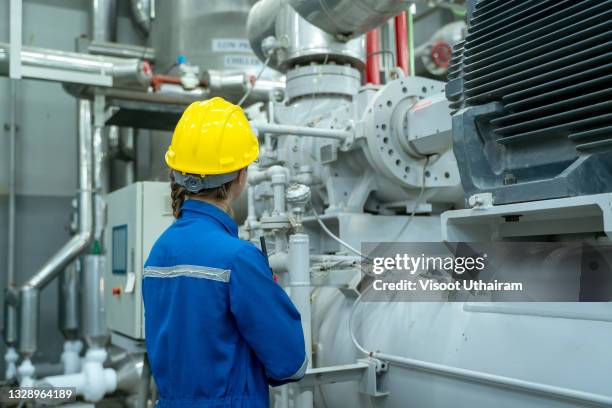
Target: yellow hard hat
(212, 137)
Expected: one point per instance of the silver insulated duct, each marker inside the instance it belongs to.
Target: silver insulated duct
(348, 18)
(74, 67)
(30, 291)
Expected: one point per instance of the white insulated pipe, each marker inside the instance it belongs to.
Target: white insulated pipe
(71, 356)
(301, 131)
(279, 182)
(299, 283)
(550, 391)
(93, 382)
(251, 219)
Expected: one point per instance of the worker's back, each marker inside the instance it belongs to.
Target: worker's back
(218, 329)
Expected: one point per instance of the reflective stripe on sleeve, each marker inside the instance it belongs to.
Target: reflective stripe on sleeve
(192, 271)
(300, 372)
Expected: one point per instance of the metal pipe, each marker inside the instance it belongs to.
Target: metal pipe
(145, 384)
(10, 311)
(142, 14)
(410, 18)
(68, 304)
(372, 57)
(386, 56)
(299, 275)
(100, 173)
(15, 37)
(349, 18)
(545, 390)
(167, 95)
(103, 20)
(401, 42)
(261, 25)
(10, 323)
(251, 219)
(279, 181)
(121, 50)
(28, 321)
(74, 67)
(10, 264)
(29, 292)
(228, 83)
(233, 85)
(335, 258)
(301, 131)
(93, 322)
(179, 98)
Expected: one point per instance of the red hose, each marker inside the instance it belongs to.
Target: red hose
(401, 42)
(372, 57)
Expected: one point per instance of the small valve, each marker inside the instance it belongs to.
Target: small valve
(298, 197)
(189, 73)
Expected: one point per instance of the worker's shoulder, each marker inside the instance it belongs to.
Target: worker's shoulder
(245, 252)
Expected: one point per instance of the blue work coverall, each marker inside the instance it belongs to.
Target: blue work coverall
(218, 328)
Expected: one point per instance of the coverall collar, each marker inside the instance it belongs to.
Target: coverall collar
(195, 208)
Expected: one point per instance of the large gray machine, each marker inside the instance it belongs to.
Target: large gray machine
(382, 154)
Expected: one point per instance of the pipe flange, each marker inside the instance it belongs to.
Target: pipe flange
(383, 129)
(329, 79)
(274, 222)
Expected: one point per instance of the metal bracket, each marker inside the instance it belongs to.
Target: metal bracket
(334, 374)
(351, 291)
(369, 381)
(481, 201)
(365, 372)
(577, 215)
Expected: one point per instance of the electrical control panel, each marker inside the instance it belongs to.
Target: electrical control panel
(137, 215)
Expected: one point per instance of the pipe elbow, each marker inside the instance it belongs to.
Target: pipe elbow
(141, 11)
(86, 238)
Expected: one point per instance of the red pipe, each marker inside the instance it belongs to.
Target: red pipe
(401, 42)
(372, 57)
(158, 80)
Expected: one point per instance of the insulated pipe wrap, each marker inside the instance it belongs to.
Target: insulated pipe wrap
(348, 18)
(125, 72)
(29, 292)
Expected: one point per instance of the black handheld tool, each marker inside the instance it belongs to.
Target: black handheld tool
(262, 242)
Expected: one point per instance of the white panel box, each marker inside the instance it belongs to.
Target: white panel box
(137, 215)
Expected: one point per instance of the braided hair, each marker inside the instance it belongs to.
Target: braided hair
(179, 194)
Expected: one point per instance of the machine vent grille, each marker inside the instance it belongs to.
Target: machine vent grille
(547, 62)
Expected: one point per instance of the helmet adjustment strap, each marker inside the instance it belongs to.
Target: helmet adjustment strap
(195, 183)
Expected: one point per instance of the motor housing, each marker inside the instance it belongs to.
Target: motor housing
(531, 91)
